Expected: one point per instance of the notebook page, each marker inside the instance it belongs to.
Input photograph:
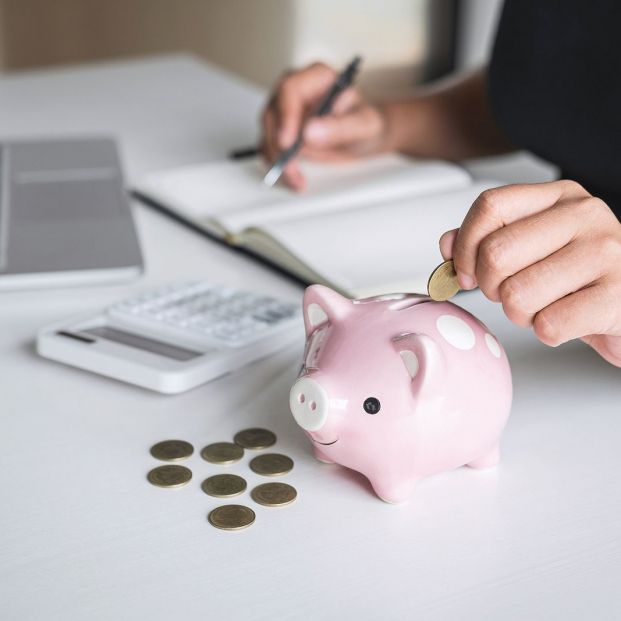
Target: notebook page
(232, 192)
(378, 249)
(212, 188)
(346, 186)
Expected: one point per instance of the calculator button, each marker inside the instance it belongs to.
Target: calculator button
(205, 314)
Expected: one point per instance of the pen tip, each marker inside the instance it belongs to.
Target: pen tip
(272, 176)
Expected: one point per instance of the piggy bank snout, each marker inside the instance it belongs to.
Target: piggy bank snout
(309, 404)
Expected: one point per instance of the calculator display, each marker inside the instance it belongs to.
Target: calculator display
(142, 342)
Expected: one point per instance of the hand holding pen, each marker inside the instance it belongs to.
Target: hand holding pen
(353, 128)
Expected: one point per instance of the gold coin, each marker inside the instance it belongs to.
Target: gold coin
(222, 453)
(223, 485)
(272, 464)
(231, 517)
(442, 284)
(255, 438)
(172, 450)
(274, 494)
(170, 476)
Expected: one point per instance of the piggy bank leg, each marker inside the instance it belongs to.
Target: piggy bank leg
(488, 460)
(394, 492)
(319, 455)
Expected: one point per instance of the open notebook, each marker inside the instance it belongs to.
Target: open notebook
(364, 228)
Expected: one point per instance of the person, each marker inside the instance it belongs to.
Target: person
(550, 253)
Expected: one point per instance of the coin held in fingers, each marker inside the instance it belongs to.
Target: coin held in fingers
(442, 284)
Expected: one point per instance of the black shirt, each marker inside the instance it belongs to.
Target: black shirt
(555, 87)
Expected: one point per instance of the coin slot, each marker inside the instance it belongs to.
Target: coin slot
(408, 302)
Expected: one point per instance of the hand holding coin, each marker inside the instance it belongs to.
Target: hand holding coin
(549, 253)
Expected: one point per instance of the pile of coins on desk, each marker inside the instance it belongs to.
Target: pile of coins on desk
(225, 485)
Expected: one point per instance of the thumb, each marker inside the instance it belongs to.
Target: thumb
(332, 131)
(446, 243)
(608, 347)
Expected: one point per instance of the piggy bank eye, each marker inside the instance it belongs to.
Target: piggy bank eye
(371, 405)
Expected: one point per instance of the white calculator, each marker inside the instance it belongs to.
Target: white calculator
(177, 337)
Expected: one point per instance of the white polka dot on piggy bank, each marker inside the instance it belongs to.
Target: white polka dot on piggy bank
(400, 388)
(456, 331)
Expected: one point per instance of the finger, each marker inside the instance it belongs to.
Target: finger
(496, 208)
(349, 99)
(327, 155)
(446, 243)
(297, 92)
(293, 177)
(580, 314)
(510, 249)
(329, 132)
(289, 107)
(609, 348)
(538, 286)
(263, 129)
(269, 144)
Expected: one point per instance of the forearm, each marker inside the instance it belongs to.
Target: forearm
(452, 120)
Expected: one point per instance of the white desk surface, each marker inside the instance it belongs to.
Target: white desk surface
(84, 536)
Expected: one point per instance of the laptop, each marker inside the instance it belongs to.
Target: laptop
(65, 217)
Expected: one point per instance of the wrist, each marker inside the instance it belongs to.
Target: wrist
(416, 126)
(395, 131)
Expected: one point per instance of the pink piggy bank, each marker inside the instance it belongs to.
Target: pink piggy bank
(399, 388)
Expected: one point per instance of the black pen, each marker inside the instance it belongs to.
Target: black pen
(343, 80)
(244, 153)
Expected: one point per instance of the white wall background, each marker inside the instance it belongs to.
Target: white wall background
(257, 39)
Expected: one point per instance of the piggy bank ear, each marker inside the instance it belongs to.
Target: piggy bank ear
(422, 358)
(322, 305)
